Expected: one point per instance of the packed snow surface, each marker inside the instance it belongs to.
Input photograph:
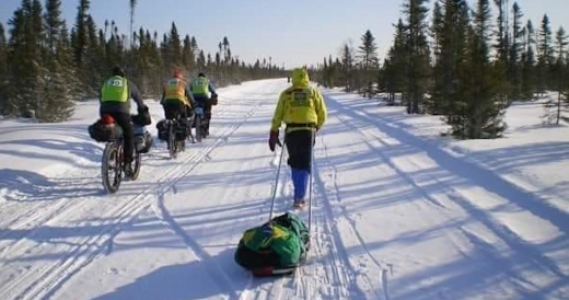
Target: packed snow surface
(399, 212)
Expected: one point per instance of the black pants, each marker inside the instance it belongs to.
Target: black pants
(203, 101)
(173, 109)
(124, 121)
(299, 145)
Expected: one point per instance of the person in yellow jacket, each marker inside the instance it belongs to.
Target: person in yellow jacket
(302, 109)
(176, 98)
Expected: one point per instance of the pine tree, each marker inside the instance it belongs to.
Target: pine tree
(329, 72)
(545, 55)
(502, 49)
(43, 66)
(26, 66)
(53, 23)
(369, 63)
(59, 92)
(132, 5)
(437, 27)
(226, 50)
(515, 63)
(394, 74)
(201, 61)
(188, 57)
(503, 32)
(418, 54)
(447, 97)
(16, 64)
(436, 101)
(484, 107)
(347, 68)
(561, 69)
(528, 59)
(3, 72)
(174, 58)
(80, 39)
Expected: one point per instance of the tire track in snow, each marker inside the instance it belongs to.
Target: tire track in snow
(329, 271)
(52, 277)
(162, 213)
(59, 272)
(283, 194)
(51, 212)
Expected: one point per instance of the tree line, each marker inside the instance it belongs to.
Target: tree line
(45, 66)
(465, 64)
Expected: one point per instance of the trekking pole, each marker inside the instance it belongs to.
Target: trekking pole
(276, 186)
(311, 181)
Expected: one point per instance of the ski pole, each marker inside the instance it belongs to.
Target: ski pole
(311, 181)
(276, 185)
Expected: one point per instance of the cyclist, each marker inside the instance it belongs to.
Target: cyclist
(177, 99)
(200, 88)
(114, 101)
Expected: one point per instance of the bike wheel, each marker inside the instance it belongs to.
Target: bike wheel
(137, 164)
(199, 129)
(172, 145)
(111, 168)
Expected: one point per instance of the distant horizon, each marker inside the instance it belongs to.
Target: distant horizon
(290, 36)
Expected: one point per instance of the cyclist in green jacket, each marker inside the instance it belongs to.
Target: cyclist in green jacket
(115, 95)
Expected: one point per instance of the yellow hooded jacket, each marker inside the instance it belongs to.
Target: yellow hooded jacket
(300, 104)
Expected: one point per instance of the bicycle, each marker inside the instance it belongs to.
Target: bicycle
(200, 123)
(175, 144)
(112, 162)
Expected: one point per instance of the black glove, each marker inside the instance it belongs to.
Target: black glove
(274, 140)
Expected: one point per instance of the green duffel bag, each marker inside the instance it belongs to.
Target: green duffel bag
(277, 247)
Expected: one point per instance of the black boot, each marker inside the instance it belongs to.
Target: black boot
(128, 169)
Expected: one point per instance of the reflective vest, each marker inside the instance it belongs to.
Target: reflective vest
(175, 89)
(200, 86)
(115, 89)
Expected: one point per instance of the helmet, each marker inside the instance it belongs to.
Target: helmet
(118, 71)
(201, 74)
(178, 73)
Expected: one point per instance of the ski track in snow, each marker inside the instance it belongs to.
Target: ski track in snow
(341, 269)
(45, 281)
(457, 199)
(162, 213)
(341, 264)
(328, 272)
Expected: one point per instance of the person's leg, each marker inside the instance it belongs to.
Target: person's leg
(208, 115)
(299, 147)
(123, 120)
(169, 110)
(183, 118)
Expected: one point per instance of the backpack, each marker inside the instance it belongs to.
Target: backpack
(162, 128)
(142, 139)
(104, 132)
(274, 248)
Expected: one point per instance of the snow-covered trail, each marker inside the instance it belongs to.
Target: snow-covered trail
(55, 226)
(395, 217)
(426, 224)
(398, 217)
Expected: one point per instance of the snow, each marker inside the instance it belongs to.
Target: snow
(399, 212)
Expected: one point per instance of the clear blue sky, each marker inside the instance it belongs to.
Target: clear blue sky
(293, 32)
